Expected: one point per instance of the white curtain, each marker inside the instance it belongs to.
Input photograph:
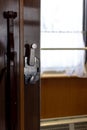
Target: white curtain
(62, 27)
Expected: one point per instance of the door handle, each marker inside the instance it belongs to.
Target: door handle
(31, 67)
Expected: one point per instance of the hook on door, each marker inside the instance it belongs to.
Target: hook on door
(31, 68)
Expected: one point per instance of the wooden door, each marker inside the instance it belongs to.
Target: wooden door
(32, 91)
(10, 5)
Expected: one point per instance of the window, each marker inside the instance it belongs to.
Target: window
(63, 36)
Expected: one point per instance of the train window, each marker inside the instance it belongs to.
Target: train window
(63, 47)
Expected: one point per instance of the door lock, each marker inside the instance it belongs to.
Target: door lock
(31, 67)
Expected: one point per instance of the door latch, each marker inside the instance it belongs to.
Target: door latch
(31, 65)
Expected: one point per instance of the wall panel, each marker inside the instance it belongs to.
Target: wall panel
(61, 97)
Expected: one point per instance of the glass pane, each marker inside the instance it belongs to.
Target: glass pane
(62, 23)
(62, 27)
(69, 62)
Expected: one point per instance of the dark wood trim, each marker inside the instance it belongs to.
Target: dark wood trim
(32, 106)
(21, 62)
(31, 23)
(85, 25)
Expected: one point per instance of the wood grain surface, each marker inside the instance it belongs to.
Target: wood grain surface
(62, 97)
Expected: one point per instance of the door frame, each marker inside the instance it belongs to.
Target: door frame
(21, 64)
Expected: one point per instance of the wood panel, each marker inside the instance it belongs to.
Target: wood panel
(10, 5)
(61, 97)
(32, 106)
(32, 91)
(2, 105)
(32, 3)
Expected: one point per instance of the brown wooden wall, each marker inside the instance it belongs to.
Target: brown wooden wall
(61, 97)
